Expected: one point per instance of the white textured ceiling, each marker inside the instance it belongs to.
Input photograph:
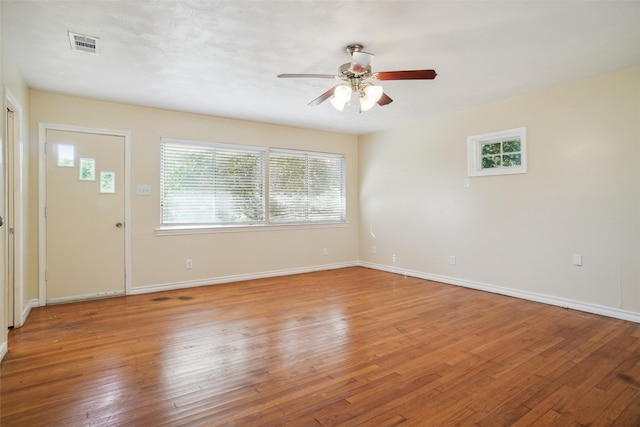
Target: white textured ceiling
(222, 57)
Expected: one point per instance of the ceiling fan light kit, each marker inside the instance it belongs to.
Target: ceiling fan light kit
(369, 96)
(343, 93)
(341, 96)
(358, 79)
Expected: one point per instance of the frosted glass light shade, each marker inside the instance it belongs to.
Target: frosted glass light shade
(337, 104)
(366, 103)
(343, 93)
(369, 96)
(374, 92)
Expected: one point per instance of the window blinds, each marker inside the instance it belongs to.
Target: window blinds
(211, 184)
(222, 184)
(306, 187)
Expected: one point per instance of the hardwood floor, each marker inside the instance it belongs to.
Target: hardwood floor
(344, 347)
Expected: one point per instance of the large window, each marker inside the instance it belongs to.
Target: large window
(211, 184)
(306, 187)
(206, 184)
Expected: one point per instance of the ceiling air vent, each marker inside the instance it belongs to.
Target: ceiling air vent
(83, 43)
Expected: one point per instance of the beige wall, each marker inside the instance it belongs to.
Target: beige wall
(160, 259)
(581, 195)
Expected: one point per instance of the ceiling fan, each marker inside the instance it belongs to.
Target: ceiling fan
(359, 79)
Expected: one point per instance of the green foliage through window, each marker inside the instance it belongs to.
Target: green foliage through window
(501, 154)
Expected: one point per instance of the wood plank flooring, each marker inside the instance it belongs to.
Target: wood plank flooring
(345, 347)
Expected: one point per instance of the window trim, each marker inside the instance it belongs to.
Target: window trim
(474, 152)
(167, 230)
(221, 145)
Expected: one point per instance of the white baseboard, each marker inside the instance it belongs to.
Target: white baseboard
(86, 297)
(27, 310)
(3, 350)
(237, 278)
(530, 296)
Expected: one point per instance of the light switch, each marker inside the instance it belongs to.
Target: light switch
(577, 259)
(143, 190)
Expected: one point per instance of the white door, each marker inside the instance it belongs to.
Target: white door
(85, 212)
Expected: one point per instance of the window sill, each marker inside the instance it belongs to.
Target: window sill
(497, 171)
(213, 229)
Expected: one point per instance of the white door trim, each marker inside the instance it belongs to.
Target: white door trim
(19, 315)
(42, 202)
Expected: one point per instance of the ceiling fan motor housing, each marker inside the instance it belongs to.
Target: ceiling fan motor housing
(355, 47)
(354, 78)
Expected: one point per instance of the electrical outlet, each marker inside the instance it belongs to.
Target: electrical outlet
(374, 250)
(452, 260)
(189, 264)
(325, 251)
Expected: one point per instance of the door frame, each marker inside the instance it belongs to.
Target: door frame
(15, 252)
(42, 202)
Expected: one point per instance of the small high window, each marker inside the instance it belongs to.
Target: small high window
(497, 153)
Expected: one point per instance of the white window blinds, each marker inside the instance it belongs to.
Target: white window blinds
(211, 184)
(306, 187)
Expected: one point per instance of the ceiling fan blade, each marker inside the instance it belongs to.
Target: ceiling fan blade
(307, 76)
(407, 75)
(328, 94)
(384, 100)
(360, 62)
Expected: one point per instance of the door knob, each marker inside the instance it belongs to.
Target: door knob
(119, 224)
(1, 221)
